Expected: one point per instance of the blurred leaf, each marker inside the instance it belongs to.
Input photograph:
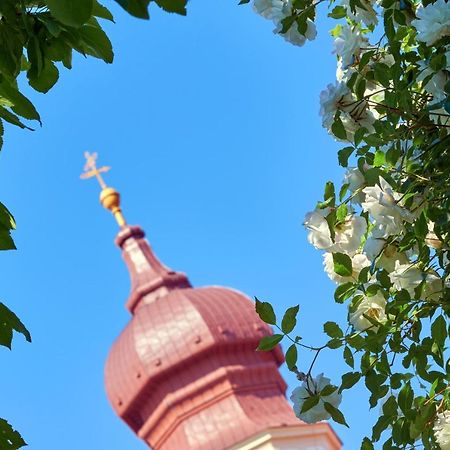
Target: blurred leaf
(265, 312)
(309, 403)
(269, 342)
(71, 12)
(137, 8)
(173, 6)
(291, 357)
(336, 415)
(10, 439)
(98, 10)
(349, 380)
(9, 322)
(289, 319)
(333, 330)
(342, 264)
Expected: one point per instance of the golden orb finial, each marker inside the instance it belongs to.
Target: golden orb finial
(109, 197)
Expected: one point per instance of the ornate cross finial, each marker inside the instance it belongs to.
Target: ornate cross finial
(90, 169)
(109, 197)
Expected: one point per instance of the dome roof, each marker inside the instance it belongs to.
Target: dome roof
(184, 373)
(167, 333)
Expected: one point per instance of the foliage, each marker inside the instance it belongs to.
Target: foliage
(38, 38)
(385, 231)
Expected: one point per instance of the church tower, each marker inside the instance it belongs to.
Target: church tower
(184, 373)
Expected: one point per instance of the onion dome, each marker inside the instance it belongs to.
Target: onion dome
(184, 374)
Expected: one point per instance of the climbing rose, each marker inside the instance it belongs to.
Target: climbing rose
(406, 276)
(294, 36)
(310, 387)
(433, 22)
(269, 9)
(348, 44)
(347, 237)
(359, 261)
(442, 430)
(365, 14)
(354, 113)
(373, 307)
(384, 205)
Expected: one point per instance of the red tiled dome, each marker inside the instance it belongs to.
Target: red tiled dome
(184, 374)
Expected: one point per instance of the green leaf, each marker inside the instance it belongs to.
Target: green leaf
(98, 10)
(265, 312)
(344, 154)
(341, 212)
(9, 322)
(71, 12)
(6, 241)
(335, 343)
(342, 264)
(328, 390)
(21, 105)
(338, 12)
(333, 330)
(379, 158)
(173, 6)
(309, 403)
(97, 43)
(6, 218)
(348, 357)
(439, 331)
(382, 423)
(137, 8)
(269, 342)
(366, 444)
(344, 291)
(390, 406)
(291, 357)
(289, 319)
(338, 129)
(46, 79)
(405, 398)
(10, 439)
(11, 118)
(329, 192)
(349, 380)
(336, 415)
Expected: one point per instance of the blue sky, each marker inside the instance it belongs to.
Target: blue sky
(211, 125)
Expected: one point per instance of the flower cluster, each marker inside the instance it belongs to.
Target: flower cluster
(385, 232)
(280, 12)
(315, 388)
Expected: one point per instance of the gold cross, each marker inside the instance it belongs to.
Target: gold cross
(91, 170)
(109, 197)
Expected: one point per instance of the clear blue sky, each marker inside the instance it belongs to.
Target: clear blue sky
(211, 125)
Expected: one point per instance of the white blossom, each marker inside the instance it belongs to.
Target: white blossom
(313, 386)
(355, 180)
(348, 44)
(359, 261)
(347, 237)
(442, 430)
(367, 14)
(354, 113)
(294, 37)
(373, 307)
(319, 232)
(433, 22)
(406, 276)
(383, 204)
(436, 84)
(269, 9)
